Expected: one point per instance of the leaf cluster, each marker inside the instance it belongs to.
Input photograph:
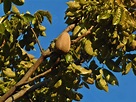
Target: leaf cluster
(93, 58)
(16, 39)
(111, 44)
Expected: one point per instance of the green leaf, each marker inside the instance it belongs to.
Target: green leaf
(58, 83)
(7, 5)
(127, 69)
(39, 17)
(7, 25)
(97, 85)
(88, 47)
(117, 16)
(46, 14)
(78, 96)
(103, 16)
(113, 66)
(2, 28)
(98, 73)
(15, 9)
(102, 84)
(89, 80)
(42, 28)
(76, 30)
(73, 5)
(81, 69)
(26, 64)
(34, 21)
(110, 77)
(70, 14)
(28, 17)
(9, 73)
(68, 58)
(43, 33)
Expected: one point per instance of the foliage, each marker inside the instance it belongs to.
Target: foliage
(107, 49)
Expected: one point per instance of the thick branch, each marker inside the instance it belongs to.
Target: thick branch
(32, 69)
(25, 91)
(27, 75)
(17, 95)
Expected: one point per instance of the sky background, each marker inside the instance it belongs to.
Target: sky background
(125, 92)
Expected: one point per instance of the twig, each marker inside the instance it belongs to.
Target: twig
(69, 28)
(38, 42)
(38, 76)
(83, 35)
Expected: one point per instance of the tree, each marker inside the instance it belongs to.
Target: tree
(102, 32)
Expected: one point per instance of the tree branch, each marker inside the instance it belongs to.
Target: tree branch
(17, 95)
(83, 35)
(44, 55)
(69, 28)
(27, 75)
(38, 76)
(25, 91)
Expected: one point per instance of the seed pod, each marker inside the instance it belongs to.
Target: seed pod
(63, 42)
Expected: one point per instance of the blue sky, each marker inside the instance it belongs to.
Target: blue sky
(125, 92)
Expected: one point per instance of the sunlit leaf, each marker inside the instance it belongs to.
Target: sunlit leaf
(117, 16)
(68, 58)
(78, 97)
(69, 13)
(127, 69)
(88, 47)
(102, 84)
(43, 33)
(76, 29)
(15, 9)
(58, 83)
(9, 73)
(98, 73)
(42, 28)
(2, 28)
(73, 5)
(105, 15)
(26, 64)
(110, 77)
(89, 80)
(81, 69)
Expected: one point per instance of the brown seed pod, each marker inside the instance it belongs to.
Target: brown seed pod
(63, 42)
